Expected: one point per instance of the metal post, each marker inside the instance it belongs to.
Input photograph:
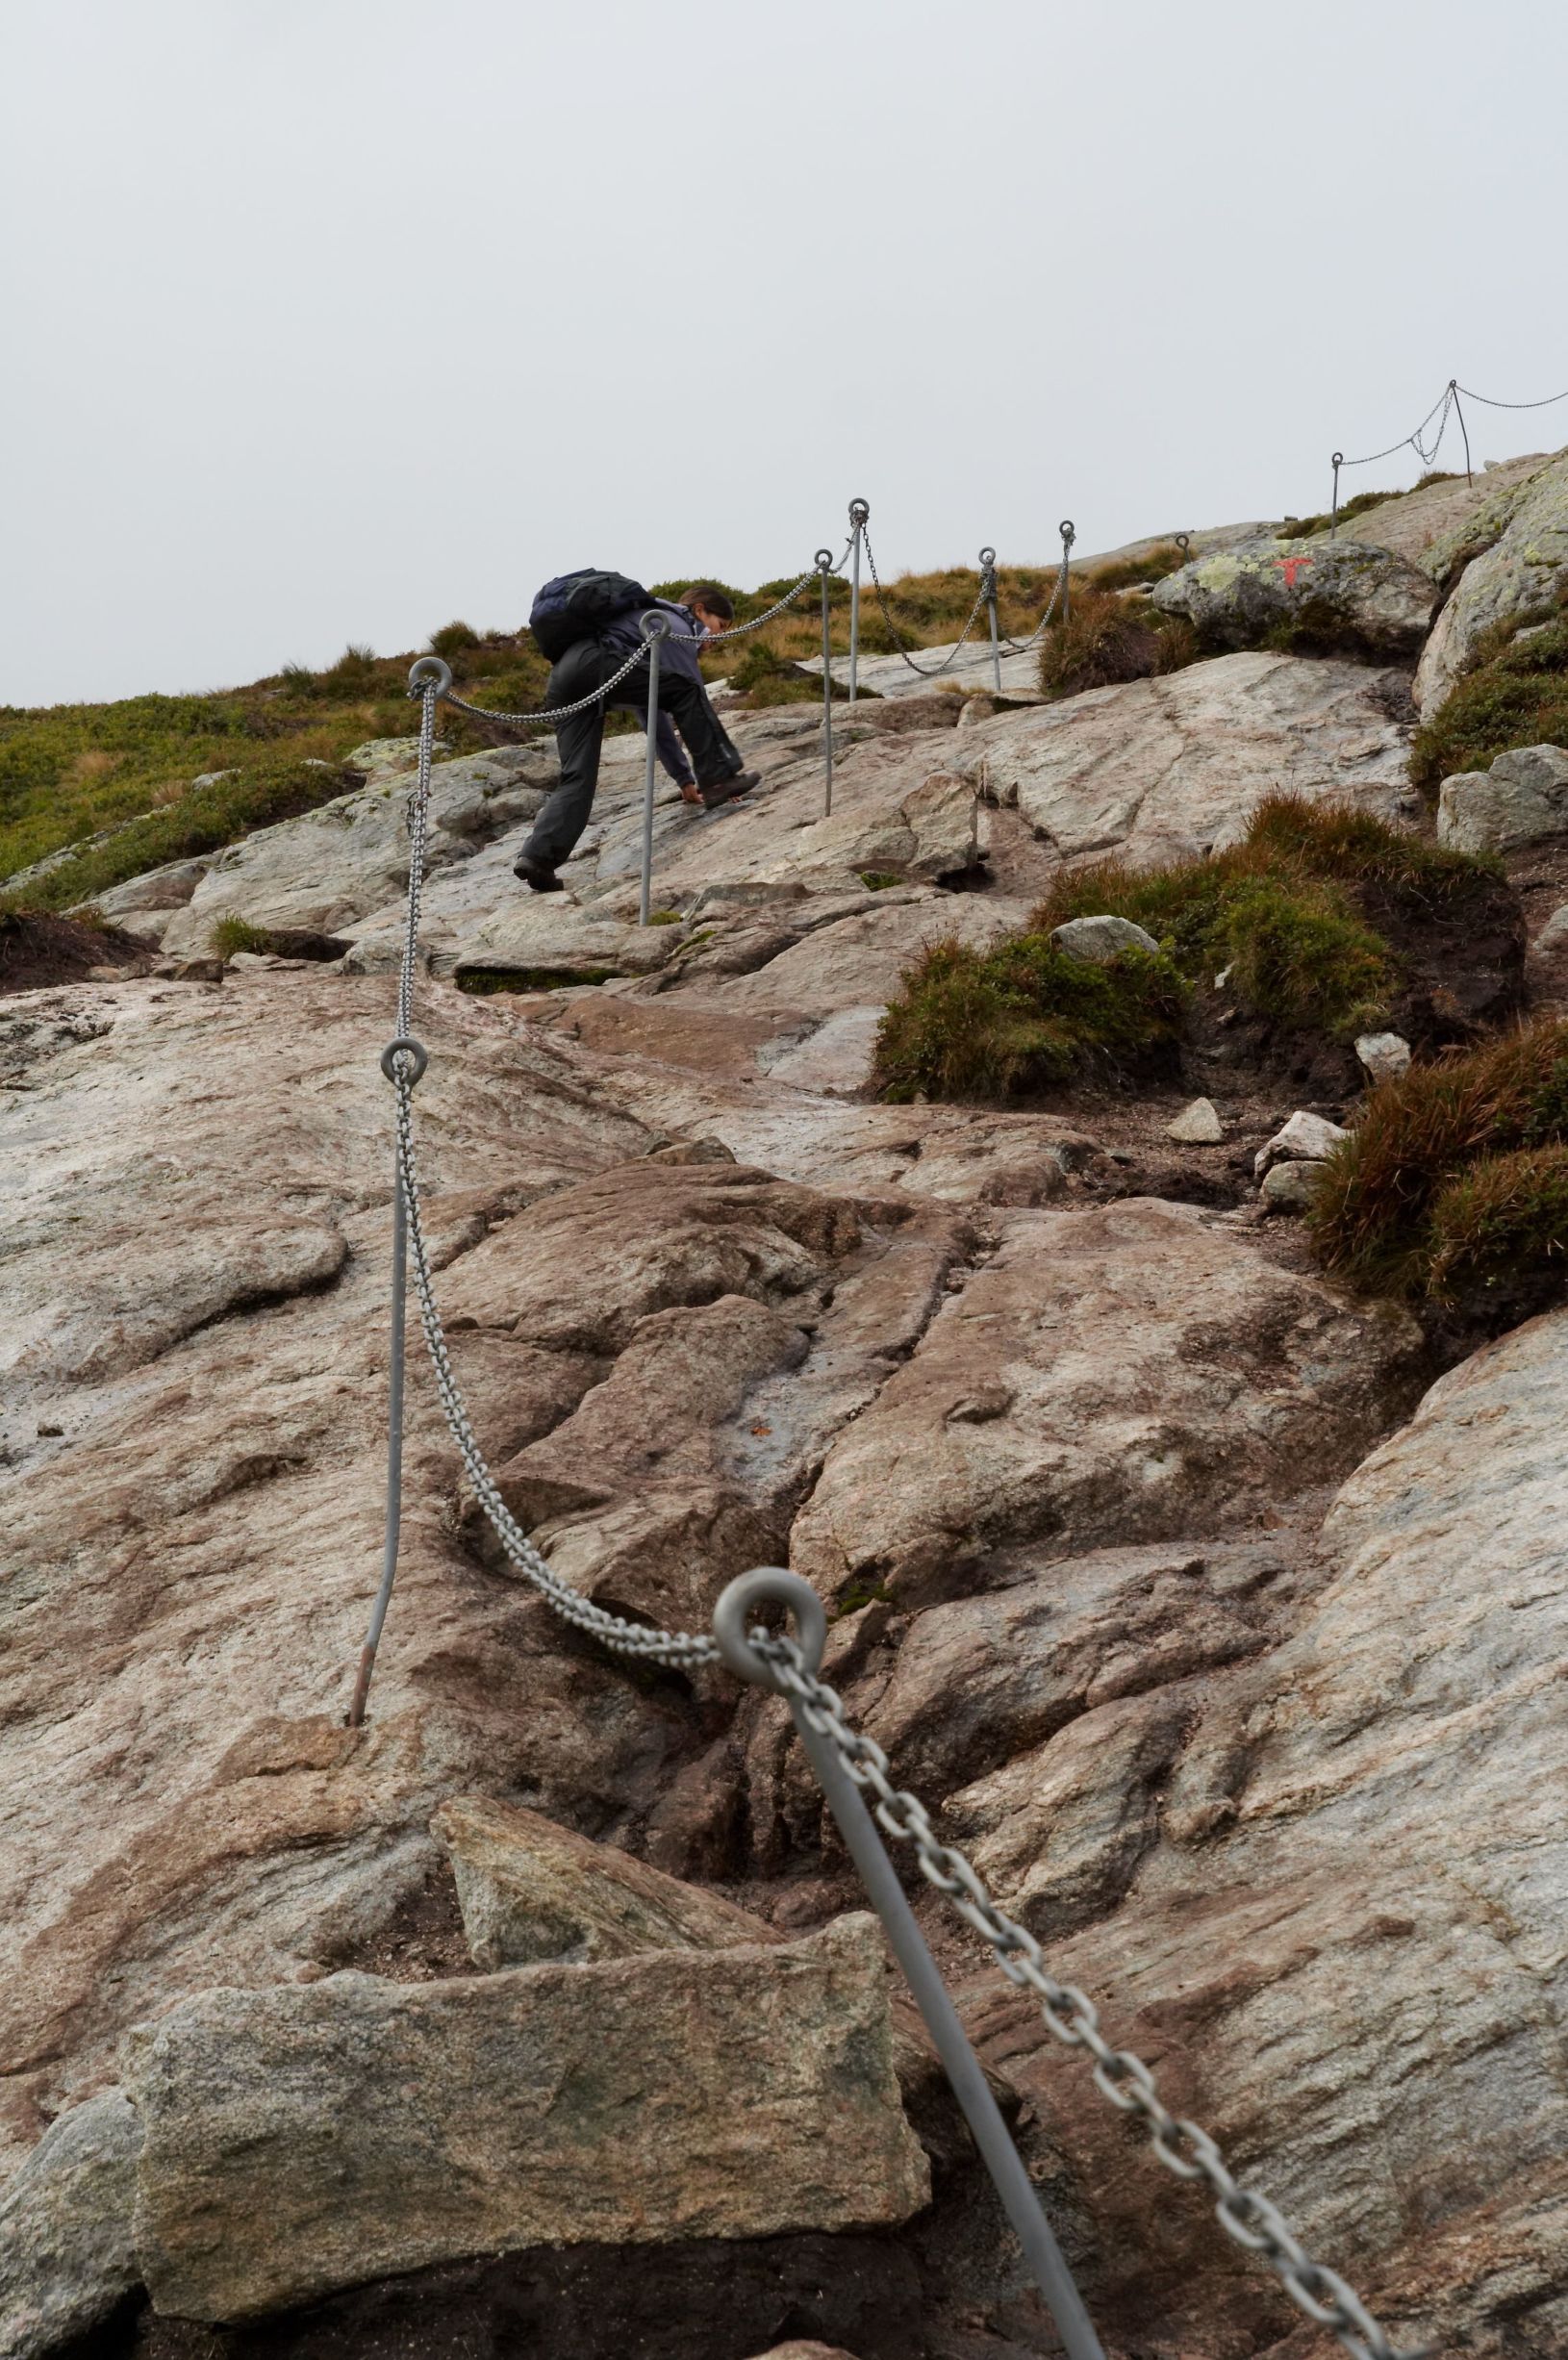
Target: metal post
(1183, 542)
(1333, 513)
(859, 517)
(1069, 533)
(824, 567)
(656, 630)
(395, 1448)
(1042, 2255)
(988, 583)
(1454, 397)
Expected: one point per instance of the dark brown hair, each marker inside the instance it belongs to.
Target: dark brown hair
(711, 598)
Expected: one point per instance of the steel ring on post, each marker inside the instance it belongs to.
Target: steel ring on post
(860, 513)
(825, 561)
(429, 672)
(1068, 530)
(988, 557)
(1183, 542)
(405, 1046)
(655, 625)
(735, 1610)
(1336, 458)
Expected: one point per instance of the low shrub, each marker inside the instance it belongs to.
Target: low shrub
(992, 1024)
(1516, 696)
(1106, 640)
(1454, 1186)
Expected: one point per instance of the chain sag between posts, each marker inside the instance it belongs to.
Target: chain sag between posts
(1071, 2017)
(404, 1063)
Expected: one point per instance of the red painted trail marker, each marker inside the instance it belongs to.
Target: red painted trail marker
(1290, 566)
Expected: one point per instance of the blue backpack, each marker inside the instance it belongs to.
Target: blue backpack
(576, 606)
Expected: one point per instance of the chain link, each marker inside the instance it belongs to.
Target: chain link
(1071, 2017)
(1012, 647)
(1425, 452)
(646, 1642)
(1487, 403)
(926, 672)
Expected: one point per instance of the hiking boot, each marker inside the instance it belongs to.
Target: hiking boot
(537, 875)
(725, 790)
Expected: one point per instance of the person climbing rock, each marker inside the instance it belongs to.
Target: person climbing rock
(718, 775)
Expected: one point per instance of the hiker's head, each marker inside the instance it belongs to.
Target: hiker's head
(711, 606)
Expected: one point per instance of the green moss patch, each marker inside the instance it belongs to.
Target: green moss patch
(1454, 1188)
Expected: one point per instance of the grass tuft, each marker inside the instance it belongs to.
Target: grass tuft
(1453, 1187)
(1517, 695)
(234, 934)
(1108, 640)
(992, 1024)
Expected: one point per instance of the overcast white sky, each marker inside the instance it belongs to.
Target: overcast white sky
(333, 320)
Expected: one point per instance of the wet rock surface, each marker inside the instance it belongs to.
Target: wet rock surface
(1057, 1447)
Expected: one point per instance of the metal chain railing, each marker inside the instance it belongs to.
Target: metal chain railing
(927, 671)
(1011, 647)
(404, 1061)
(1071, 2017)
(1188, 2150)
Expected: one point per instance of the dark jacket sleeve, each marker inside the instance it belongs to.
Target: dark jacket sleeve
(671, 752)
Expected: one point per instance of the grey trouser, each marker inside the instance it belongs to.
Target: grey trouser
(579, 739)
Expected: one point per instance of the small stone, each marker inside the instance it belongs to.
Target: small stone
(196, 970)
(1196, 1124)
(1289, 1187)
(1384, 1055)
(1308, 1137)
(1553, 935)
(1099, 940)
(1223, 977)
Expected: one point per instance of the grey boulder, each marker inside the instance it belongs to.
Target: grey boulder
(1096, 941)
(304, 2139)
(67, 2251)
(1348, 593)
(1522, 797)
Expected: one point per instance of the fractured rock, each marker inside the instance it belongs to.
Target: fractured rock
(1162, 1375)
(68, 2257)
(1522, 797)
(1348, 594)
(302, 2140)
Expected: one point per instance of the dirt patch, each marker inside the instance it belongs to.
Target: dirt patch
(37, 949)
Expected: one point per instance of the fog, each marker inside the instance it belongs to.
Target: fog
(332, 320)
